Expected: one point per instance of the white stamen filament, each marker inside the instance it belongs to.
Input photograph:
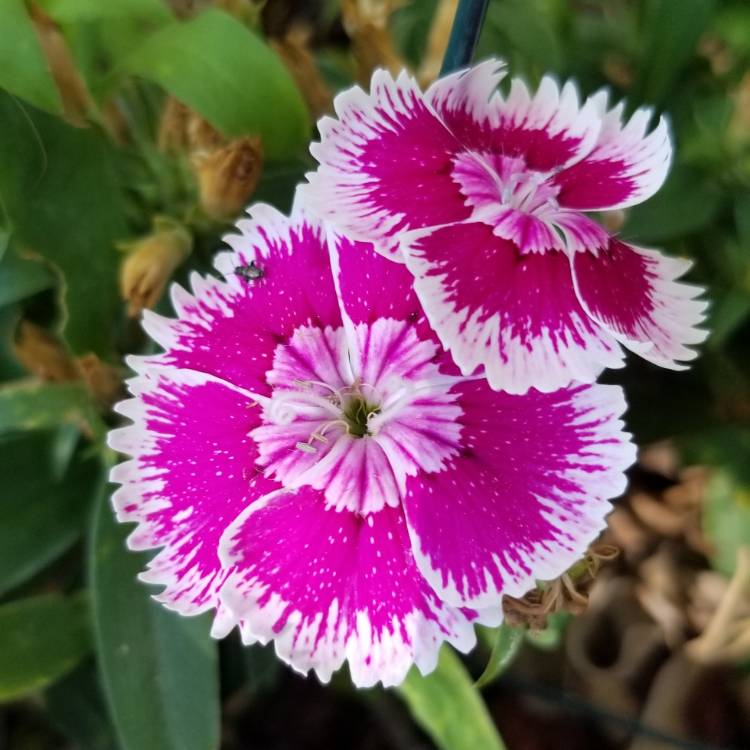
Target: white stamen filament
(285, 406)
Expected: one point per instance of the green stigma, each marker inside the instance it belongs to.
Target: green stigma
(356, 413)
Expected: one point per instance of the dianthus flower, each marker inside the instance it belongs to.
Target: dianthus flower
(483, 198)
(316, 470)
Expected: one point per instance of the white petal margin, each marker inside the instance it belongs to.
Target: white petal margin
(329, 587)
(516, 316)
(265, 232)
(527, 497)
(557, 112)
(626, 166)
(379, 145)
(187, 480)
(471, 93)
(635, 294)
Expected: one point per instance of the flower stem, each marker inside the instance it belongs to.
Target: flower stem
(464, 35)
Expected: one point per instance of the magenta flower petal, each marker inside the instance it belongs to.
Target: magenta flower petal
(626, 166)
(397, 167)
(633, 292)
(548, 129)
(466, 101)
(273, 465)
(231, 329)
(190, 474)
(526, 496)
(330, 586)
(357, 270)
(386, 163)
(516, 315)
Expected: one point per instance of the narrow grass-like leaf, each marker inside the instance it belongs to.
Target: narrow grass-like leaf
(76, 706)
(159, 669)
(41, 514)
(671, 31)
(449, 708)
(33, 405)
(41, 638)
(505, 641)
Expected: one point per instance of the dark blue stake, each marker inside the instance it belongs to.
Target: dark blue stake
(464, 35)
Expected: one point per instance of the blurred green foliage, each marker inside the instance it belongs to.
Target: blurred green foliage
(116, 670)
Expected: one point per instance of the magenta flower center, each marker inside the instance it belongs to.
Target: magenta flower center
(354, 412)
(489, 180)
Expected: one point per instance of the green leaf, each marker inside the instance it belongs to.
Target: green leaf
(76, 706)
(59, 188)
(10, 367)
(526, 30)
(742, 219)
(410, 26)
(159, 669)
(41, 638)
(729, 313)
(278, 181)
(263, 669)
(31, 405)
(506, 642)
(726, 519)
(671, 29)
(221, 69)
(67, 11)
(449, 708)
(22, 277)
(41, 515)
(23, 67)
(550, 638)
(687, 203)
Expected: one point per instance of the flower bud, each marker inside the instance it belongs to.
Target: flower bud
(202, 136)
(151, 262)
(613, 221)
(228, 176)
(173, 126)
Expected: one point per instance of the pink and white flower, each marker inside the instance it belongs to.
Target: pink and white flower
(315, 470)
(483, 198)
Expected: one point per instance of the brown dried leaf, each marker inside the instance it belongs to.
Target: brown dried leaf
(294, 50)
(76, 99)
(43, 355)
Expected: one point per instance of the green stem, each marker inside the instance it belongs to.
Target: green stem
(464, 35)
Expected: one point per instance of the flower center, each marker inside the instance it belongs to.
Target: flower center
(488, 179)
(357, 412)
(354, 414)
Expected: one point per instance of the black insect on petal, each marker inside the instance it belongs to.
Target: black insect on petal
(249, 272)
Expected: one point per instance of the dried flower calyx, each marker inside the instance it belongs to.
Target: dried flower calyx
(150, 263)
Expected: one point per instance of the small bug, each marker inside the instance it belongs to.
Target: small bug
(250, 272)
